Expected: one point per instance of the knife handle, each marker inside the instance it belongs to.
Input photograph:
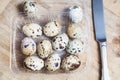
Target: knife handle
(105, 72)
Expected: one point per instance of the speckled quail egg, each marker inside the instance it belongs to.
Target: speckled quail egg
(75, 46)
(51, 29)
(75, 31)
(44, 48)
(28, 46)
(33, 63)
(70, 63)
(52, 63)
(30, 8)
(76, 14)
(32, 30)
(60, 42)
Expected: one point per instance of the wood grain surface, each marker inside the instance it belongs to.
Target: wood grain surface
(8, 8)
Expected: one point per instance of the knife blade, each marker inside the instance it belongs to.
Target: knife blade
(99, 25)
(98, 18)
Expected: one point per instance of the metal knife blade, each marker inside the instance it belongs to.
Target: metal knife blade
(98, 20)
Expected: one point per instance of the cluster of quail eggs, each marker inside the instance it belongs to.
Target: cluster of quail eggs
(48, 50)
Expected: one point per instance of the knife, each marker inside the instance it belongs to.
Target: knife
(99, 25)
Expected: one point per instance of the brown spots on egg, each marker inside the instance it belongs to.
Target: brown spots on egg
(79, 50)
(52, 31)
(33, 46)
(31, 36)
(65, 43)
(26, 8)
(41, 42)
(61, 47)
(74, 66)
(82, 42)
(33, 32)
(37, 35)
(54, 40)
(24, 64)
(74, 34)
(25, 2)
(32, 4)
(73, 49)
(37, 30)
(56, 64)
(55, 23)
(45, 31)
(26, 45)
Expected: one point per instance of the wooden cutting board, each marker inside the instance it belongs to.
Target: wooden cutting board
(92, 71)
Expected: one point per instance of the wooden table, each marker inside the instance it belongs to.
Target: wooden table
(92, 72)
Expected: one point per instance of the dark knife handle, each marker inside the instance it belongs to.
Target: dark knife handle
(105, 72)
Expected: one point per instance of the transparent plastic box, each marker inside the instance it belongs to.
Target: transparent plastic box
(50, 10)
